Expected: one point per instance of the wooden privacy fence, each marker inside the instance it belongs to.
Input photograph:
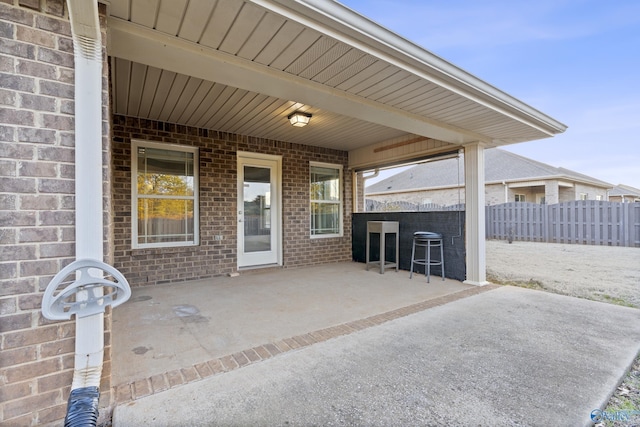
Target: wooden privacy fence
(590, 222)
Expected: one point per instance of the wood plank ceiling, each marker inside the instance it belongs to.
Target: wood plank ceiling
(277, 43)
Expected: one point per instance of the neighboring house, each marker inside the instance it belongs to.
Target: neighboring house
(624, 194)
(162, 144)
(508, 178)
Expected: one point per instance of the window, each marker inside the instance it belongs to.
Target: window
(584, 196)
(326, 200)
(164, 194)
(520, 198)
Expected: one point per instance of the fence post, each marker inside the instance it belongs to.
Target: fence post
(634, 219)
(626, 225)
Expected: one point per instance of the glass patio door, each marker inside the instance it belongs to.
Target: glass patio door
(258, 210)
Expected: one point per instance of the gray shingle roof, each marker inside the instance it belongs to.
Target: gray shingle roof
(624, 190)
(500, 165)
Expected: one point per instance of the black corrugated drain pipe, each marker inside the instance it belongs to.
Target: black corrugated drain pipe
(82, 407)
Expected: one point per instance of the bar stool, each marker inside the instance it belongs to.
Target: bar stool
(427, 240)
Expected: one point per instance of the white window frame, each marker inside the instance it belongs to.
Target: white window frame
(520, 198)
(135, 145)
(340, 203)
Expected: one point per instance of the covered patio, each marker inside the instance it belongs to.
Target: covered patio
(200, 93)
(170, 335)
(223, 77)
(241, 68)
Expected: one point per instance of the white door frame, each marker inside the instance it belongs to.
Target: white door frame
(260, 160)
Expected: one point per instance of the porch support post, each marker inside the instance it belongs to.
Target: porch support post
(552, 192)
(475, 214)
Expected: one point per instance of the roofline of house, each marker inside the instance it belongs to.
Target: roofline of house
(563, 172)
(626, 190)
(350, 27)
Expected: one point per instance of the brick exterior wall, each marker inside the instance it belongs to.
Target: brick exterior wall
(591, 192)
(445, 197)
(37, 208)
(218, 204)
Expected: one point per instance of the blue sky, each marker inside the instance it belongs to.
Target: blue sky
(575, 60)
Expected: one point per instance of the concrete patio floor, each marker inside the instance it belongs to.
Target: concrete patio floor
(501, 356)
(164, 334)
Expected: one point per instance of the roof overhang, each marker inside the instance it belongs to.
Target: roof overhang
(538, 183)
(243, 66)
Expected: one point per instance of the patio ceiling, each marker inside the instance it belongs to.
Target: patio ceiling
(243, 66)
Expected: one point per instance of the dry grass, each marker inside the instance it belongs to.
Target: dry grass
(599, 273)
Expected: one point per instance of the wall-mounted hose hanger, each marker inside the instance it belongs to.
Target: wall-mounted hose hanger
(83, 293)
(85, 288)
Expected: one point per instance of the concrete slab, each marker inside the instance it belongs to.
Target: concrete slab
(509, 356)
(174, 326)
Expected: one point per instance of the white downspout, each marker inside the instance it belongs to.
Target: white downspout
(87, 46)
(96, 285)
(506, 192)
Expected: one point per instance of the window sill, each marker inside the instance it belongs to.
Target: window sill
(164, 250)
(326, 236)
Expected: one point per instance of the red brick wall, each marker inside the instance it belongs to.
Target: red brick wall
(218, 194)
(37, 208)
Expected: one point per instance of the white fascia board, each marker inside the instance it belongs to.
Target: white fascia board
(140, 44)
(345, 25)
(522, 184)
(563, 181)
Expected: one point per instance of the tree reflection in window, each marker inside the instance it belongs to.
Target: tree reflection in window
(326, 199)
(165, 196)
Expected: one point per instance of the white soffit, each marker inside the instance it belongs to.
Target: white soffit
(242, 66)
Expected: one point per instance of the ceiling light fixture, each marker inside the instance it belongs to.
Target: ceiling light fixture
(299, 119)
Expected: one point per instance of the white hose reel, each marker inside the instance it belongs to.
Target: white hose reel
(83, 293)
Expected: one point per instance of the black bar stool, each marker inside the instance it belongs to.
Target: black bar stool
(427, 240)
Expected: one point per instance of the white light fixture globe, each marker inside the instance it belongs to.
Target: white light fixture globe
(299, 119)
